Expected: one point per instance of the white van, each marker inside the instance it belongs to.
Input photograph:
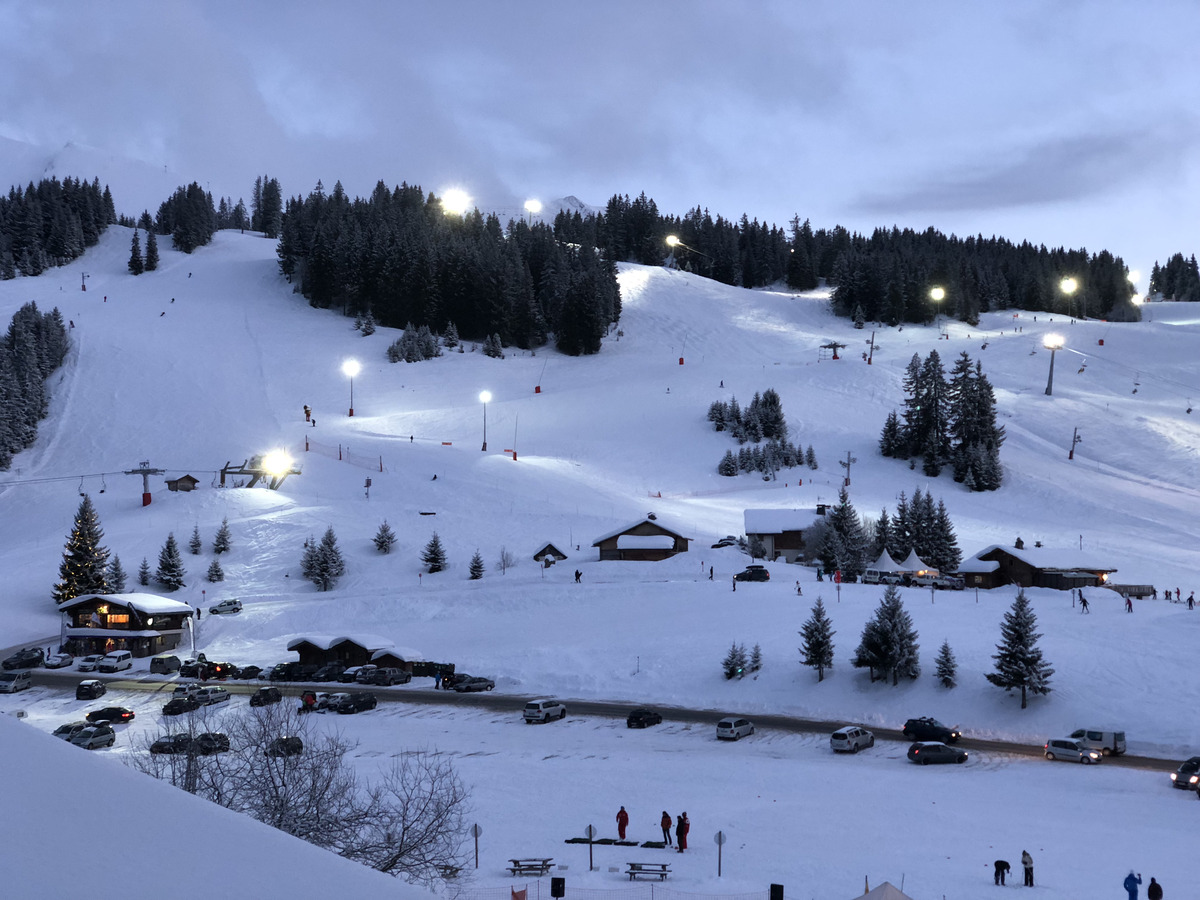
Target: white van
(11, 682)
(1110, 743)
(876, 576)
(115, 662)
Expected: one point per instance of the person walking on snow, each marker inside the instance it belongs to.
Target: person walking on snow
(1002, 868)
(1153, 890)
(1191, 605)
(1131, 884)
(682, 826)
(666, 827)
(1083, 604)
(1027, 863)
(622, 821)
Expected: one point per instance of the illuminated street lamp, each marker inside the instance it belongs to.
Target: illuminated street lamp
(533, 207)
(455, 202)
(1069, 286)
(484, 397)
(1052, 342)
(350, 368)
(937, 295)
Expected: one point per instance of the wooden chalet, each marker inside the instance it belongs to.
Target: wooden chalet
(184, 483)
(1046, 567)
(143, 624)
(646, 539)
(781, 531)
(549, 555)
(360, 650)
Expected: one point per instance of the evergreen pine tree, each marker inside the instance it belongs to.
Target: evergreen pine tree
(889, 640)
(215, 572)
(947, 668)
(728, 465)
(85, 560)
(889, 440)
(756, 660)
(476, 567)
(310, 560)
(143, 576)
(117, 580)
(330, 565)
(385, 538)
(434, 556)
(221, 542)
(817, 650)
(844, 520)
(734, 664)
(1019, 662)
(196, 543)
(810, 458)
(136, 265)
(170, 570)
(151, 252)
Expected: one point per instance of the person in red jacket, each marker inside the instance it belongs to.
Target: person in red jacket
(682, 826)
(622, 822)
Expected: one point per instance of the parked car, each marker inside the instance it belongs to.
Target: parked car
(177, 706)
(111, 714)
(172, 744)
(30, 658)
(116, 661)
(929, 729)
(59, 660)
(11, 682)
(164, 665)
(90, 689)
(753, 573)
(99, 735)
(543, 711)
(851, 739)
(1187, 776)
(473, 684)
(879, 576)
(186, 689)
(289, 745)
(246, 673)
(728, 541)
(210, 696)
(642, 718)
(328, 672)
(1110, 743)
(68, 730)
(189, 668)
(358, 701)
(350, 675)
(733, 728)
(930, 752)
(225, 607)
(89, 662)
(210, 742)
(950, 583)
(382, 675)
(449, 681)
(218, 671)
(1072, 751)
(316, 701)
(265, 696)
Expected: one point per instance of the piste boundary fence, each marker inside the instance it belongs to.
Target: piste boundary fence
(637, 891)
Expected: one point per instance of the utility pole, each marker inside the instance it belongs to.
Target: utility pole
(846, 464)
(1075, 439)
(871, 344)
(145, 471)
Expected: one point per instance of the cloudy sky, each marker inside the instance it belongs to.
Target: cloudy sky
(1065, 123)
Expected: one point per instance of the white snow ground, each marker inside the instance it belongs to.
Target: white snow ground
(225, 372)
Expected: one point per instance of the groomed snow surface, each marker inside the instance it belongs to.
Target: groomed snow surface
(211, 359)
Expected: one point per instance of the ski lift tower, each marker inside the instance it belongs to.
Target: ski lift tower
(145, 471)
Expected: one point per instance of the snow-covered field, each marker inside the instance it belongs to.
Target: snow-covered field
(225, 372)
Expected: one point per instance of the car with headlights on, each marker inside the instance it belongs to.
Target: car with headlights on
(1187, 776)
(1071, 750)
(930, 729)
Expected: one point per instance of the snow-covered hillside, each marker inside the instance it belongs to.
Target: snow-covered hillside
(211, 359)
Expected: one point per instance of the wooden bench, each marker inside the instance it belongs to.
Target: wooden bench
(648, 870)
(538, 866)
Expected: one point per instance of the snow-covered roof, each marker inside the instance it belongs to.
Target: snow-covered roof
(978, 566)
(408, 654)
(885, 563)
(658, 523)
(327, 641)
(645, 542)
(914, 563)
(777, 521)
(150, 604)
(1063, 558)
(112, 632)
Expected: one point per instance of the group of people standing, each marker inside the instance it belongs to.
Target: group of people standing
(682, 827)
(1002, 867)
(1153, 892)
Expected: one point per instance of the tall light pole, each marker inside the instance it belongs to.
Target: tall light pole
(1052, 342)
(1068, 286)
(456, 202)
(484, 397)
(350, 368)
(937, 295)
(533, 207)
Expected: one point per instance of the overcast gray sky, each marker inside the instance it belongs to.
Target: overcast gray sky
(1065, 123)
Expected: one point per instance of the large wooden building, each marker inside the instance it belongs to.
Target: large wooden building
(1060, 569)
(781, 531)
(645, 539)
(143, 624)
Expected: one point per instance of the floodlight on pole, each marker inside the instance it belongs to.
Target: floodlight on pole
(533, 207)
(484, 397)
(937, 295)
(350, 368)
(1051, 342)
(277, 463)
(455, 202)
(1068, 286)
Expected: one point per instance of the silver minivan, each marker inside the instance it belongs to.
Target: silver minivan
(734, 729)
(1071, 750)
(11, 682)
(115, 661)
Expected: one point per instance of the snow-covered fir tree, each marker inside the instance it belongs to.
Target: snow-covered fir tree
(310, 559)
(847, 553)
(136, 264)
(170, 572)
(143, 576)
(756, 659)
(222, 541)
(84, 567)
(889, 640)
(434, 556)
(734, 663)
(476, 567)
(817, 649)
(330, 564)
(215, 572)
(117, 579)
(1019, 661)
(385, 538)
(946, 670)
(151, 262)
(195, 543)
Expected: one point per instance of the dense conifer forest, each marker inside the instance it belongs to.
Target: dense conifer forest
(35, 345)
(51, 223)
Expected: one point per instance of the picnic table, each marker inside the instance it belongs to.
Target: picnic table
(537, 865)
(648, 870)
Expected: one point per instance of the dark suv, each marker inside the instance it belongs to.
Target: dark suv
(328, 672)
(265, 696)
(753, 573)
(356, 702)
(927, 729)
(25, 659)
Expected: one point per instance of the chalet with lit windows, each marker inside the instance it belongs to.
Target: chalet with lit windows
(646, 539)
(143, 624)
(1048, 567)
(781, 531)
